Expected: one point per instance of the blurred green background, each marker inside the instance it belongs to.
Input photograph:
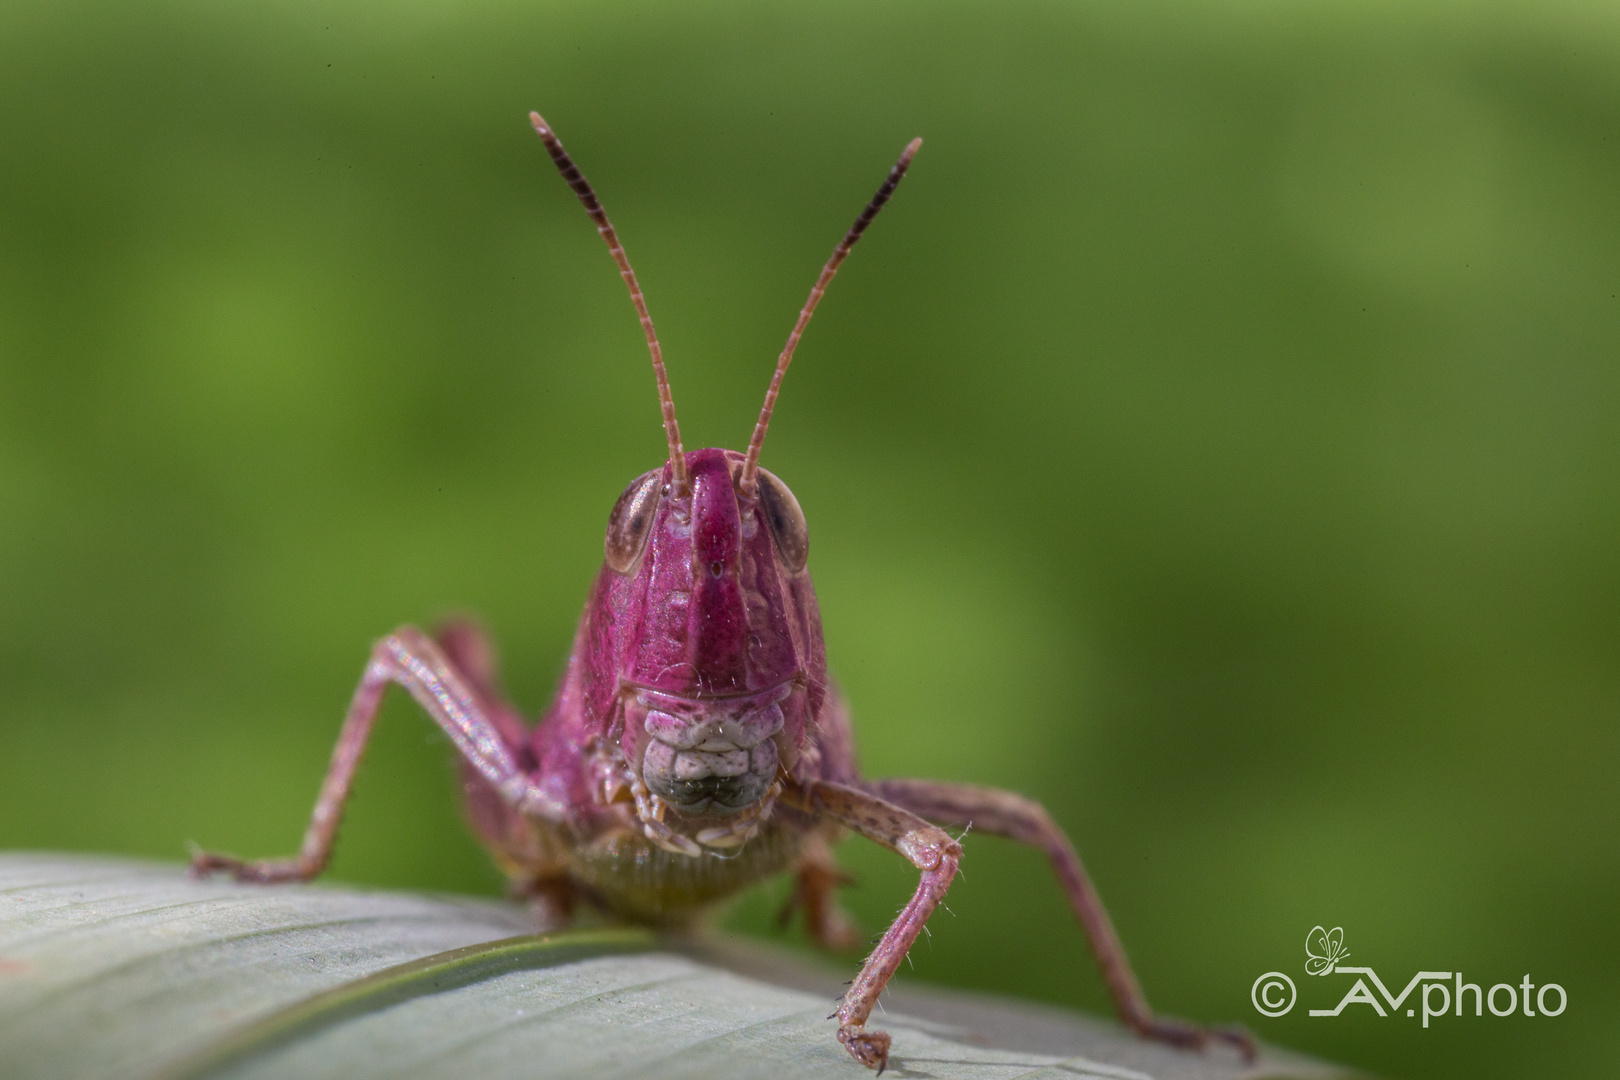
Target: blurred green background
(1216, 439)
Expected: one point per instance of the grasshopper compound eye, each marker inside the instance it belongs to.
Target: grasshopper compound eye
(631, 521)
(781, 512)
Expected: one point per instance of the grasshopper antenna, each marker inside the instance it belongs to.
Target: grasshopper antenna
(593, 206)
(749, 478)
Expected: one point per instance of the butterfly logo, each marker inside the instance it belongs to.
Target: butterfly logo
(1323, 949)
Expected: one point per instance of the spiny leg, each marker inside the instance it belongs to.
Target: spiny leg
(931, 850)
(407, 657)
(816, 881)
(1003, 813)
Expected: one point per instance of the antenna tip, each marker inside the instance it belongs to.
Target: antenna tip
(539, 124)
(911, 148)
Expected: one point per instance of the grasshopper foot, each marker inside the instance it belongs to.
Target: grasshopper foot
(263, 871)
(1192, 1037)
(550, 901)
(1240, 1038)
(870, 1048)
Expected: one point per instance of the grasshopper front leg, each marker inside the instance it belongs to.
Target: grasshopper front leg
(413, 660)
(930, 849)
(1003, 813)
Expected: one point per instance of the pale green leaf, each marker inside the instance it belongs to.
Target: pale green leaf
(115, 969)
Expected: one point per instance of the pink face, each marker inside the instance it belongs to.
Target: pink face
(707, 612)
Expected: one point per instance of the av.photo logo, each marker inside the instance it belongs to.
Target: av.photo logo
(1439, 993)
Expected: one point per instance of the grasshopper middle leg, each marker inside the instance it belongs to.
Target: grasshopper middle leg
(816, 880)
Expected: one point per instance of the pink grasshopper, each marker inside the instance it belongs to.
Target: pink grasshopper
(696, 745)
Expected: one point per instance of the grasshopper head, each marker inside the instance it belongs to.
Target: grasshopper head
(715, 631)
(701, 650)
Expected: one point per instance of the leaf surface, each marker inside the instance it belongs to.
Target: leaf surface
(115, 968)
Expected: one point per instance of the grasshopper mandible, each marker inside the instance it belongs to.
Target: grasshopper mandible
(696, 744)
